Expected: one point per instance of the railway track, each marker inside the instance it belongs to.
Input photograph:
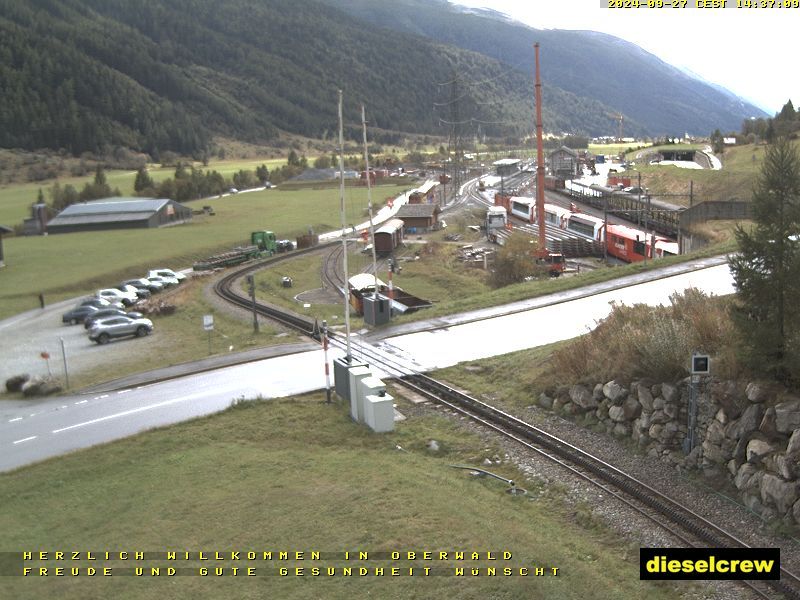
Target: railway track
(695, 530)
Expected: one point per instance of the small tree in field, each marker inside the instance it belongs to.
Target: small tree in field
(767, 268)
(515, 261)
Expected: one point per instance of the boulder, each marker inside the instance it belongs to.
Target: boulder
(779, 493)
(727, 395)
(645, 398)
(545, 401)
(616, 414)
(614, 391)
(601, 412)
(659, 417)
(794, 442)
(713, 454)
(740, 450)
(768, 424)
(644, 420)
(670, 392)
(581, 396)
(669, 431)
(742, 478)
(757, 449)
(753, 502)
(715, 432)
(597, 392)
(787, 465)
(733, 468)
(655, 431)
(659, 403)
(40, 386)
(787, 416)
(746, 423)
(14, 384)
(631, 407)
(756, 392)
(671, 410)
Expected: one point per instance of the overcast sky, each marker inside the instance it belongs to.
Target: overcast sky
(753, 53)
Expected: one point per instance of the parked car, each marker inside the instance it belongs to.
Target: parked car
(104, 313)
(146, 284)
(141, 292)
(115, 295)
(164, 281)
(78, 314)
(100, 303)
(166, 273)
(111, 327)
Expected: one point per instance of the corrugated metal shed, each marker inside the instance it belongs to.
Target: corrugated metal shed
(119, 213)
(115, 206)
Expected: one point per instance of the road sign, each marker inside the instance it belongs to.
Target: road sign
(208, 322)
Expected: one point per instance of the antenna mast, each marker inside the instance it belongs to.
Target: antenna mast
(539, 159)
(346, 291)
(369, 202)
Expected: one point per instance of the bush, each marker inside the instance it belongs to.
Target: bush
(656, 342)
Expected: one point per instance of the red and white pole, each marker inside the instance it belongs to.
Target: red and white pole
(327, 368)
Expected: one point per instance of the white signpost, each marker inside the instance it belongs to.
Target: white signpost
(208, 325)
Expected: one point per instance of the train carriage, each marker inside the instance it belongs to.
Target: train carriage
(632, 245)
(524, 208)
(586, 225)
(389, 236)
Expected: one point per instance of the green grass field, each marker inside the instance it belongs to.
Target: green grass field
(65, 265)
(299, 475)
(15, 199)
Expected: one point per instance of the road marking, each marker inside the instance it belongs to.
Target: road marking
(27, 439)
(129, 412)
(123, 391)
(17, 419)
(82, 402)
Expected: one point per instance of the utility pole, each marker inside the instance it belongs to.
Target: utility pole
(455, 143)
(251, 283)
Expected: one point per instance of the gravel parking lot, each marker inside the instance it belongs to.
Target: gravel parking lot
(27, 335)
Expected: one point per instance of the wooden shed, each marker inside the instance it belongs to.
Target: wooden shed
(419, 218)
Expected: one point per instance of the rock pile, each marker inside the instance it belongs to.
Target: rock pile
(751, 434)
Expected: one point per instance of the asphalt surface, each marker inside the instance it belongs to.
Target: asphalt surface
(33, 430)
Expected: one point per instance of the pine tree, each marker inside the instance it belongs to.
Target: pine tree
(767, 268)
(143, 181)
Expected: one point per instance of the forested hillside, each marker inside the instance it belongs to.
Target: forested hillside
(150, 75)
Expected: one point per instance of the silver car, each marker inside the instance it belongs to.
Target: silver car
(103, 330)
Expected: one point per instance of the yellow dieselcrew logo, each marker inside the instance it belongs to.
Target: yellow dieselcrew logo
(709, 563)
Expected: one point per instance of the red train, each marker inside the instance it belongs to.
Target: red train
(631, 245)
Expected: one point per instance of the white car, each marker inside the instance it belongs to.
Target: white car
(115, 295)
(165, 282)
(167, 273)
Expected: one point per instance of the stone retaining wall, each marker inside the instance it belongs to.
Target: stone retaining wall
(747, 433)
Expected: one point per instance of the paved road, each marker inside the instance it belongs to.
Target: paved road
(35, 430)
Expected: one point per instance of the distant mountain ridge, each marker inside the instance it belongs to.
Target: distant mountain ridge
(652, 95)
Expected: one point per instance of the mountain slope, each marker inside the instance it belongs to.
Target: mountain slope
(81, 74)
(587, 64)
